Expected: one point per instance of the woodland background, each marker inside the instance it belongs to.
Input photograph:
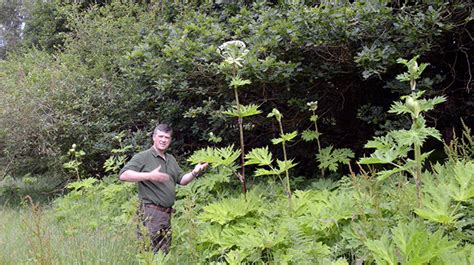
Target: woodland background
(83, 83)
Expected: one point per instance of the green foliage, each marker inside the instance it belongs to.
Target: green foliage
(309, 135)
(238, 82)
(46, 27)
(412, 244)
(286, 137)
(75, 161)
(230, 210)
(445, 193)
(41, 188)
(330, 158)
(216, 157)
(243, 111)
(393, 148)
(259, 156)
(115, 201)
(414, 70)
(132, 61)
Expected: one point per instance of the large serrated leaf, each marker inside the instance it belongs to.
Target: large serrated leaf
(259, 156)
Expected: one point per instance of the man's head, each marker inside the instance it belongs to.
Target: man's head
(162, 137)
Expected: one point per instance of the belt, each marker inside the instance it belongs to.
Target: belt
(160, 208)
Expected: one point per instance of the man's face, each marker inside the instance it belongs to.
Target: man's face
(161, 140)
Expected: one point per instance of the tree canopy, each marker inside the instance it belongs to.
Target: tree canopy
(88, 72)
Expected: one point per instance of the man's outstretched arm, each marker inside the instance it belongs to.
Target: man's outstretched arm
(188, 177)
(134, 176)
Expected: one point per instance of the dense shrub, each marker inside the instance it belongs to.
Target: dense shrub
(123, 66)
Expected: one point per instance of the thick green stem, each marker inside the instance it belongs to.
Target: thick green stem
(285, 158)
(317, 140)
(418, 173)
(417, 149)
(242, 144)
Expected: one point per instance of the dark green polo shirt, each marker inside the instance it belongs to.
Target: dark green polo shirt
(163, 194)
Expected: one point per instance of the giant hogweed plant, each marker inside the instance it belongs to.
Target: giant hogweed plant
(329, 158)
(234, 53)
(395, 147)
(113, 199)
(263, 158)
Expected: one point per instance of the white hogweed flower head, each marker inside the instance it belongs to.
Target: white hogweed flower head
(313, 105)
(233, 52)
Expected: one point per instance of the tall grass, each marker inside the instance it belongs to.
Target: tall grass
(29, 235)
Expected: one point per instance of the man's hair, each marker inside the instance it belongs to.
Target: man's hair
(163, 128)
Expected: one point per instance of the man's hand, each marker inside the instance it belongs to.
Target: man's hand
(188, 177)
(199, 168)
(157, 175)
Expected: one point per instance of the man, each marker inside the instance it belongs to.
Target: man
(157, 174)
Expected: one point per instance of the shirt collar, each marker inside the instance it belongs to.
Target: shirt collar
(155, 153)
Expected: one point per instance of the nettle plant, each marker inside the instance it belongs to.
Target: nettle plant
(395, 147)
(234, 53)
(329, 158)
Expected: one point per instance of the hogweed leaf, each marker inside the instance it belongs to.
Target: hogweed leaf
(382, 142)
(276, 141)
(275, 113)
(413, 69)
(415, 136)
(238, 82)
(437, 204)
(382, 250)
(384, 174)
(289, 136)
(464, 185)
(310, 135)
(429, 104)
(230, 209)
(417, 246)
(225, 156)
(285, 165)
(259, 156)
(243, 111)
(330, 158)
(266, 172)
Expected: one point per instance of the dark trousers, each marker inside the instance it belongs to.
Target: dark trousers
(158, 226)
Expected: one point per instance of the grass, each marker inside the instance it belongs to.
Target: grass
(30, 232)
(30, 235)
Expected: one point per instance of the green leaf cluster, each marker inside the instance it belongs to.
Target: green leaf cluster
(410, 244)
(330, 158)
(224, 156)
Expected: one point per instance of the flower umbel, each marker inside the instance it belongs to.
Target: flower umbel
(313, 105)
(233, 52)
